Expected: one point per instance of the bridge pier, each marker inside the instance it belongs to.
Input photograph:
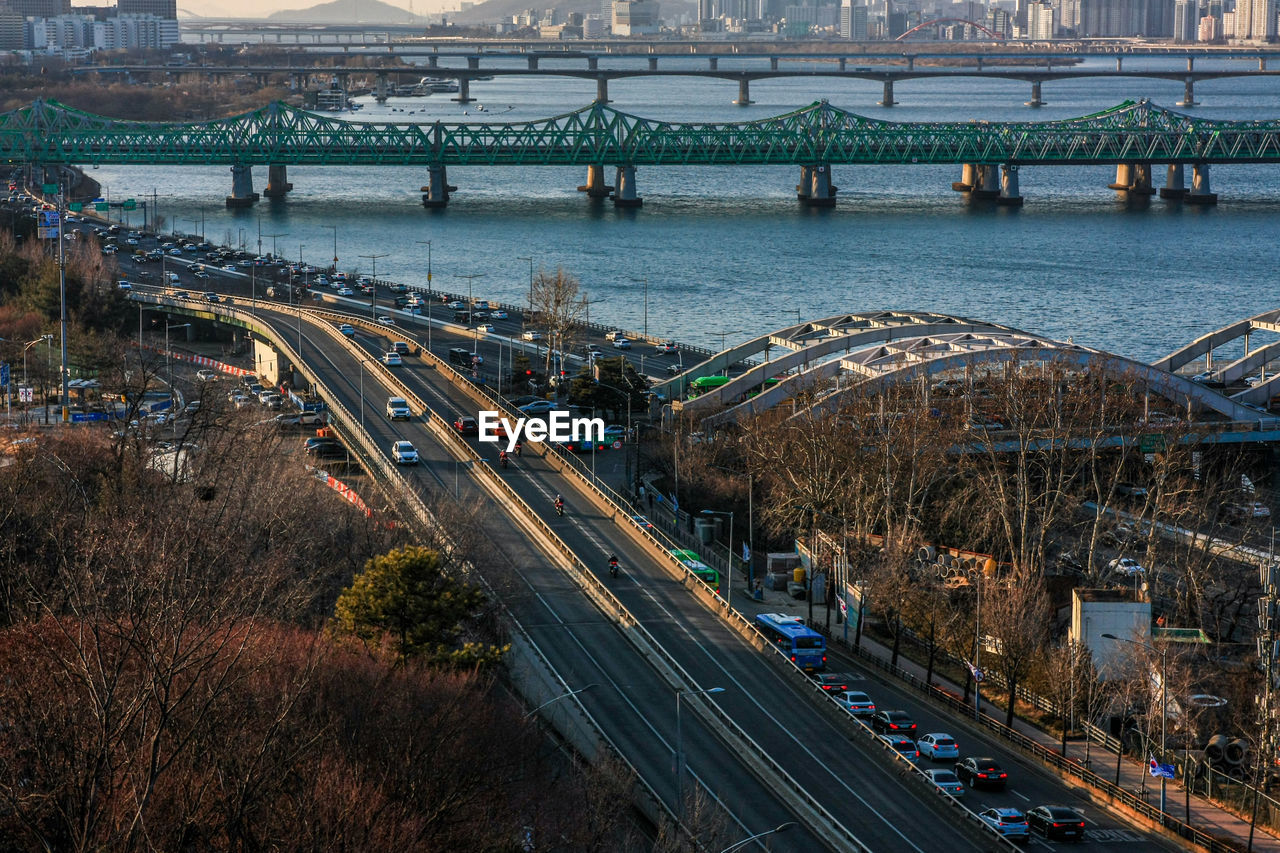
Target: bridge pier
(979, 63)
(714, 62)
(843, 63)
(380, 87)
(533, 62)
(436, 193)
(473, 62)
(464, 91)
(277, 181)
(1141, 180)
(816, 189)
(1009, 194)
(242, 194)
(911, 63)
(1124, 178)
(887, 100)
(1188, 90)
(1035, 96)
(1262, 63)
(773, 63)
(968, 178)
(1119, 63)
(744, 93)
(602, 89)
(593, 63)
(653, 63)
(1200, 192)
(1173, 183)
(988, 182)
(433, 61)
(625, 195)
(1191, 63)
(595, 187)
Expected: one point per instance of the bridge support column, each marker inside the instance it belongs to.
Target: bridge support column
(987, 184)
(844, 62)
(464, 91)
(887, 100)
(1200, 192)
(911, 63)
(1188, 91)
(595, 187)
(806, 183)
(979, 63)
(1009, 194)
(602, 90)
(714, 62)
(277, 181)
(1173, 183)
(533, 62)
(744, 92)
(773, 63)
(593, 63)
(1141, 180)
(436, 193)
(1262, 63)
(1124, 177)
(1035, 95)
(821, 192)
(433, 61)
(242, 194)
(473, 62)
(968, 178)
(1119, 63)
(653, 63)
(625, 194)
(380, 87)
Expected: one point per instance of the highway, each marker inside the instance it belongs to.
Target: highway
(823, 753)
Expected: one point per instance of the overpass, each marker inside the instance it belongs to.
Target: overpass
(1133, 136)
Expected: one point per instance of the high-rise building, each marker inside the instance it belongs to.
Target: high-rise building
(635, 17)
(1040, 21)
(1210, 29)
(159, 8)
(12, 30)
(853, 20)
(1256, 20)
(1186, 20)
(38, 8)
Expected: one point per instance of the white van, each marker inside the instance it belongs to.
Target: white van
(398, 409)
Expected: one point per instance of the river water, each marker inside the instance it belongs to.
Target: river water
(728, 251)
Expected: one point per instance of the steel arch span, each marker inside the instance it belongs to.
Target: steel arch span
(918, 27)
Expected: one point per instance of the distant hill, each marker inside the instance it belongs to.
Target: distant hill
(491, 11)
(349, 12)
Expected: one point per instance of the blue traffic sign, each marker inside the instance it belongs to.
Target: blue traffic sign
(4, 375)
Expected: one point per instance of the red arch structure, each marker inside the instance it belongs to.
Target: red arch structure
(918, 27)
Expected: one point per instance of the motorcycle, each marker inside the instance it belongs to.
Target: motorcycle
(613, 568)
(560, 508)
(502, 459)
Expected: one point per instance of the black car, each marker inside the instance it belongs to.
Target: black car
(327, 451)
(837, 682)
(466, 426)
(401, 301)
(981, 773)
(893, 722)
(1056, 822)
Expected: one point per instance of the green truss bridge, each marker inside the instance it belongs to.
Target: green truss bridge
(1132, 136)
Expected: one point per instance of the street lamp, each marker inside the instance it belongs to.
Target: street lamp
(1164, 704)
(783, 828)
(470, 277)
(679, 756)
(724, 335)
(273, 237)
(373, 274)
(428, 242)
(645, 279)
(28, 346)
(168, 359)
(530, 260)
(728, 584)
(558, 698)
(751, 573)
(334, 228)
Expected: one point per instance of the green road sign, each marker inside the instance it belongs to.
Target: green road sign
(48, 189)
(129, 204)
(102, 207)
(76, 206)
(1153, 443)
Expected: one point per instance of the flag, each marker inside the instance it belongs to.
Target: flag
(746, 553)
(978, 674)
(1155, 768)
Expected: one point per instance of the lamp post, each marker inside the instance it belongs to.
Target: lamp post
(587, 303)
(428, 244)
(1164, 703)
(728, 583)
(679, 756)
(783, 828)
(274, 237)
(751, 482)
(28, 346)
(334, 228)
(373, 274)
(530, 260)
(168, 366)
(529, 714)
(724, 335)
(645, 279)
(470, 277)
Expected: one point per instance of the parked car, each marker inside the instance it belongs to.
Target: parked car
(1010, 823)
(904, 746)
(938, 746)
(981, 773)
(1126, 566)
(1056, 822)
(893, 722)
(946, 781)
(857, 703)
(206, 375)
(404, 453)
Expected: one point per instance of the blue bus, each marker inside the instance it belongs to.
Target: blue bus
(806, 647)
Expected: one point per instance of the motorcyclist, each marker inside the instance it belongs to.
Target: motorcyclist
(517, 448)
(613, 565)
(559, 505)
(502, 458)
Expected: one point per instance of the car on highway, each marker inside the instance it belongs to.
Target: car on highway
(938, 746)
(668, 348)
(385, 320)
(455, 305)
(1010, 823)
(398, 409)
(904, 746)
(642, 521)
(346, 291)
(347, 329)
(856, 702)
(837, 682)
(1056, 823)
(1126, 566)
(946, 782)
(206, 375)
(498, 315)
(466, 426)
(622, 343)
(404, 453)
(485, 328)
(229, 268)
(531, 336)
(200, 274)
(210, 296)
(614, 433)
(391, 359)
(981, 424)
(1244, 511)
(614, 335)
(981, 772)
(538, 407)
(1131, 490)
(893, 722)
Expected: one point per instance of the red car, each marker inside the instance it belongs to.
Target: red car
(466, 426)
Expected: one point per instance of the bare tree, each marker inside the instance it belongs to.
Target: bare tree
(1015, 616)
(559, 306)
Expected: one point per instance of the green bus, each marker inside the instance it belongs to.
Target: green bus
(692, 561)
(703, 384)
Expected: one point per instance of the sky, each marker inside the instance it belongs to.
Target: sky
(262, 8)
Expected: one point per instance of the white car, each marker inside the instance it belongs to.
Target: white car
(385, 320)
(391, 359)
(531, 336)
(938, 746)
(206, 375)
(404, 453)
(946, 781)
(621, 343)
(1010, 823)
(1126, 566)
(498, 315)
(398, 409)
(485, 328)
(346, 291)
(347, 329)
(856, 702)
